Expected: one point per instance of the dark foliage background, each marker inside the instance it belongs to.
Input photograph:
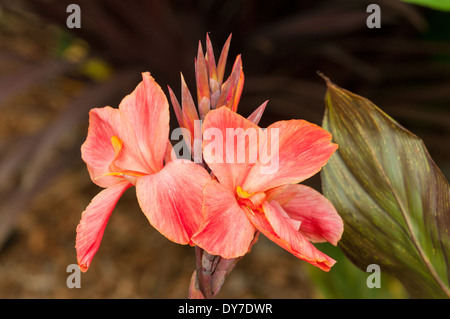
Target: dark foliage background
(50, 76)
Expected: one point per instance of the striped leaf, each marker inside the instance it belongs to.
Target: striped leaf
(394, 200)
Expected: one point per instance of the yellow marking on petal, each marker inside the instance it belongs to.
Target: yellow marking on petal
(117, 144)
(241, 193)
(129, 173)
(252, 201)
(109, 174)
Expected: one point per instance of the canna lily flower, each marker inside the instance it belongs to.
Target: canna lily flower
(127, 147)
(245, 200)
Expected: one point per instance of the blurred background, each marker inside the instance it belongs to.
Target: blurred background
(50, 76)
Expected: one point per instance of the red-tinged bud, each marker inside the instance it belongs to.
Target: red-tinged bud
(188, 107)
(210, 59)
(222, 61)
(201, 75)
(211, 272)
(204, 107)
(237, 95)
(257, 114)
(214, 99)
(213, 86)
(211, 91)
(194, 289)
(176, 108)
(210, 275)
(230, 87)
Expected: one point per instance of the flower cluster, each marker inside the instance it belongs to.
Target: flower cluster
(246, 183)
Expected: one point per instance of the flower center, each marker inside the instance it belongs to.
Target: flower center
(114, 170)
(253, 201)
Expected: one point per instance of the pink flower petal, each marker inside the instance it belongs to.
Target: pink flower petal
(93, 222)
(172, 199)
(230, 145)
(303, 148)
(277, 226)
(147, 111)
(127, 125)
(226, 230)
(97, 151)
(319, 219)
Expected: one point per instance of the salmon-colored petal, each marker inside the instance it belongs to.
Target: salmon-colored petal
(93, 222)
(172, 199)
(230, 145)
(275, 224)
(319, 219)
(98, 151)
(226, 231)
(147, 111)
(294, 151)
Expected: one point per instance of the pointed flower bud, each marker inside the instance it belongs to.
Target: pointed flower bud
(212, 92)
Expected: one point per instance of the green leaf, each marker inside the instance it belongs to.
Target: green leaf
(394, 200)
(443, 5)
(346, 281)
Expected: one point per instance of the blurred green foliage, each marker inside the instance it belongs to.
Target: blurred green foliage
(77, 50)
(346, 281)
(443, 5)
